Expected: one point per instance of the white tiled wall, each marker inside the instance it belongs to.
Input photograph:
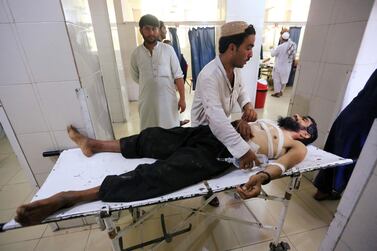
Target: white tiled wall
(76, 12)
(314, 41)
(308, 76)
(366, 61)
(349, 11)
(103, 35)
(84, 49)
(5, 15)
(332, 76)
(321, 12)
(60, 112)
(25, 11)
(97, 105)
(11, 58)
(43, 60)
(48, 51)
(333, 36)
(341, 47)
(22, 108)
(81, 33)
(127, 45)
(354, 226)
(33, 145)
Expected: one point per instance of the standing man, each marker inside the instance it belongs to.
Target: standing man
(285, 54)
(219, 87)
(155, 67)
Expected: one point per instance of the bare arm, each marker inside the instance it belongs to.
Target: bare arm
(181, 90)
(294, 155)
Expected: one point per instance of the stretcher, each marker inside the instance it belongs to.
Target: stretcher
(74, 171)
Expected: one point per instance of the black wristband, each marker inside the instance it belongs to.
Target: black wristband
(268, 177)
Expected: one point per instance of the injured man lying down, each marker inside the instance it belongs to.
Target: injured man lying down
(185, 156)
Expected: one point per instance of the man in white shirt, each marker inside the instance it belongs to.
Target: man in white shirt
(284, 55)
(155, 66)
(219, 87)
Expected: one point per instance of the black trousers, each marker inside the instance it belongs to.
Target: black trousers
(185, 156)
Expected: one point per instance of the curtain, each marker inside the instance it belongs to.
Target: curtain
(175, 42)
(202, 42)
(294, 33)
(177, 49)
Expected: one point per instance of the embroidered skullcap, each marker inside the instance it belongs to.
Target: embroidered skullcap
(233, 28)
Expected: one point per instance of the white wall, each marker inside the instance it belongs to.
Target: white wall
(127, 38)
(44, 59)
(37, 66)
(366, 61)
(84, 48)
(107, 60)
(354, 226)
(251, 12)
(127, 44)
(332, 39)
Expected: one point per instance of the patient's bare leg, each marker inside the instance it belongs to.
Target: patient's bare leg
(35, 212)
(91, 146)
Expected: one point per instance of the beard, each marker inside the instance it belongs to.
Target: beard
(150, 39)
(289, 124)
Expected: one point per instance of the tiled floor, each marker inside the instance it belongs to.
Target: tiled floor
(305, 226)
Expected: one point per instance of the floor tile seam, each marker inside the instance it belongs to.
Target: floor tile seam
(307, 206)
(18, 241)
(323, 206)
(39, 241)
(308, 230)
(10, 243)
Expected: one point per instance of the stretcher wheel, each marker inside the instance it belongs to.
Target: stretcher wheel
(282, 246)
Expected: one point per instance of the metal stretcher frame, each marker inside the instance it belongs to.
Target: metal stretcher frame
(74, 171)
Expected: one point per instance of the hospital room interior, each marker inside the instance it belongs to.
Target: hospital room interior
(65, 62)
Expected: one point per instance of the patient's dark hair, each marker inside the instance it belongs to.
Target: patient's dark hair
(237, 39)
(312, 130)
(291, 124)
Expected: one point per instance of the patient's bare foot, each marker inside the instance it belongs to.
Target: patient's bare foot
(35, 212)
(82, 141)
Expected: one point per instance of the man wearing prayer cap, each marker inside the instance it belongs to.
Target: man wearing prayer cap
(220, 87)
(284, 56)
(155, 67)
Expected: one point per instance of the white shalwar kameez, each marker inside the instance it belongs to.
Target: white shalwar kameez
(214, 101)
(284, 54)
(158, 103)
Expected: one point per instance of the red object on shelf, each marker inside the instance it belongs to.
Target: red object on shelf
(261, 94)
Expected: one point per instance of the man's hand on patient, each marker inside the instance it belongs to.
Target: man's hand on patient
(245, 130)
(249, 160)
(253, 187)
(249, 114)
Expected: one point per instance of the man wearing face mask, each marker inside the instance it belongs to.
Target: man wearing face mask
(155, 67)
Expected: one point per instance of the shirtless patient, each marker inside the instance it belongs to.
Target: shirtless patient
(184, 156)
